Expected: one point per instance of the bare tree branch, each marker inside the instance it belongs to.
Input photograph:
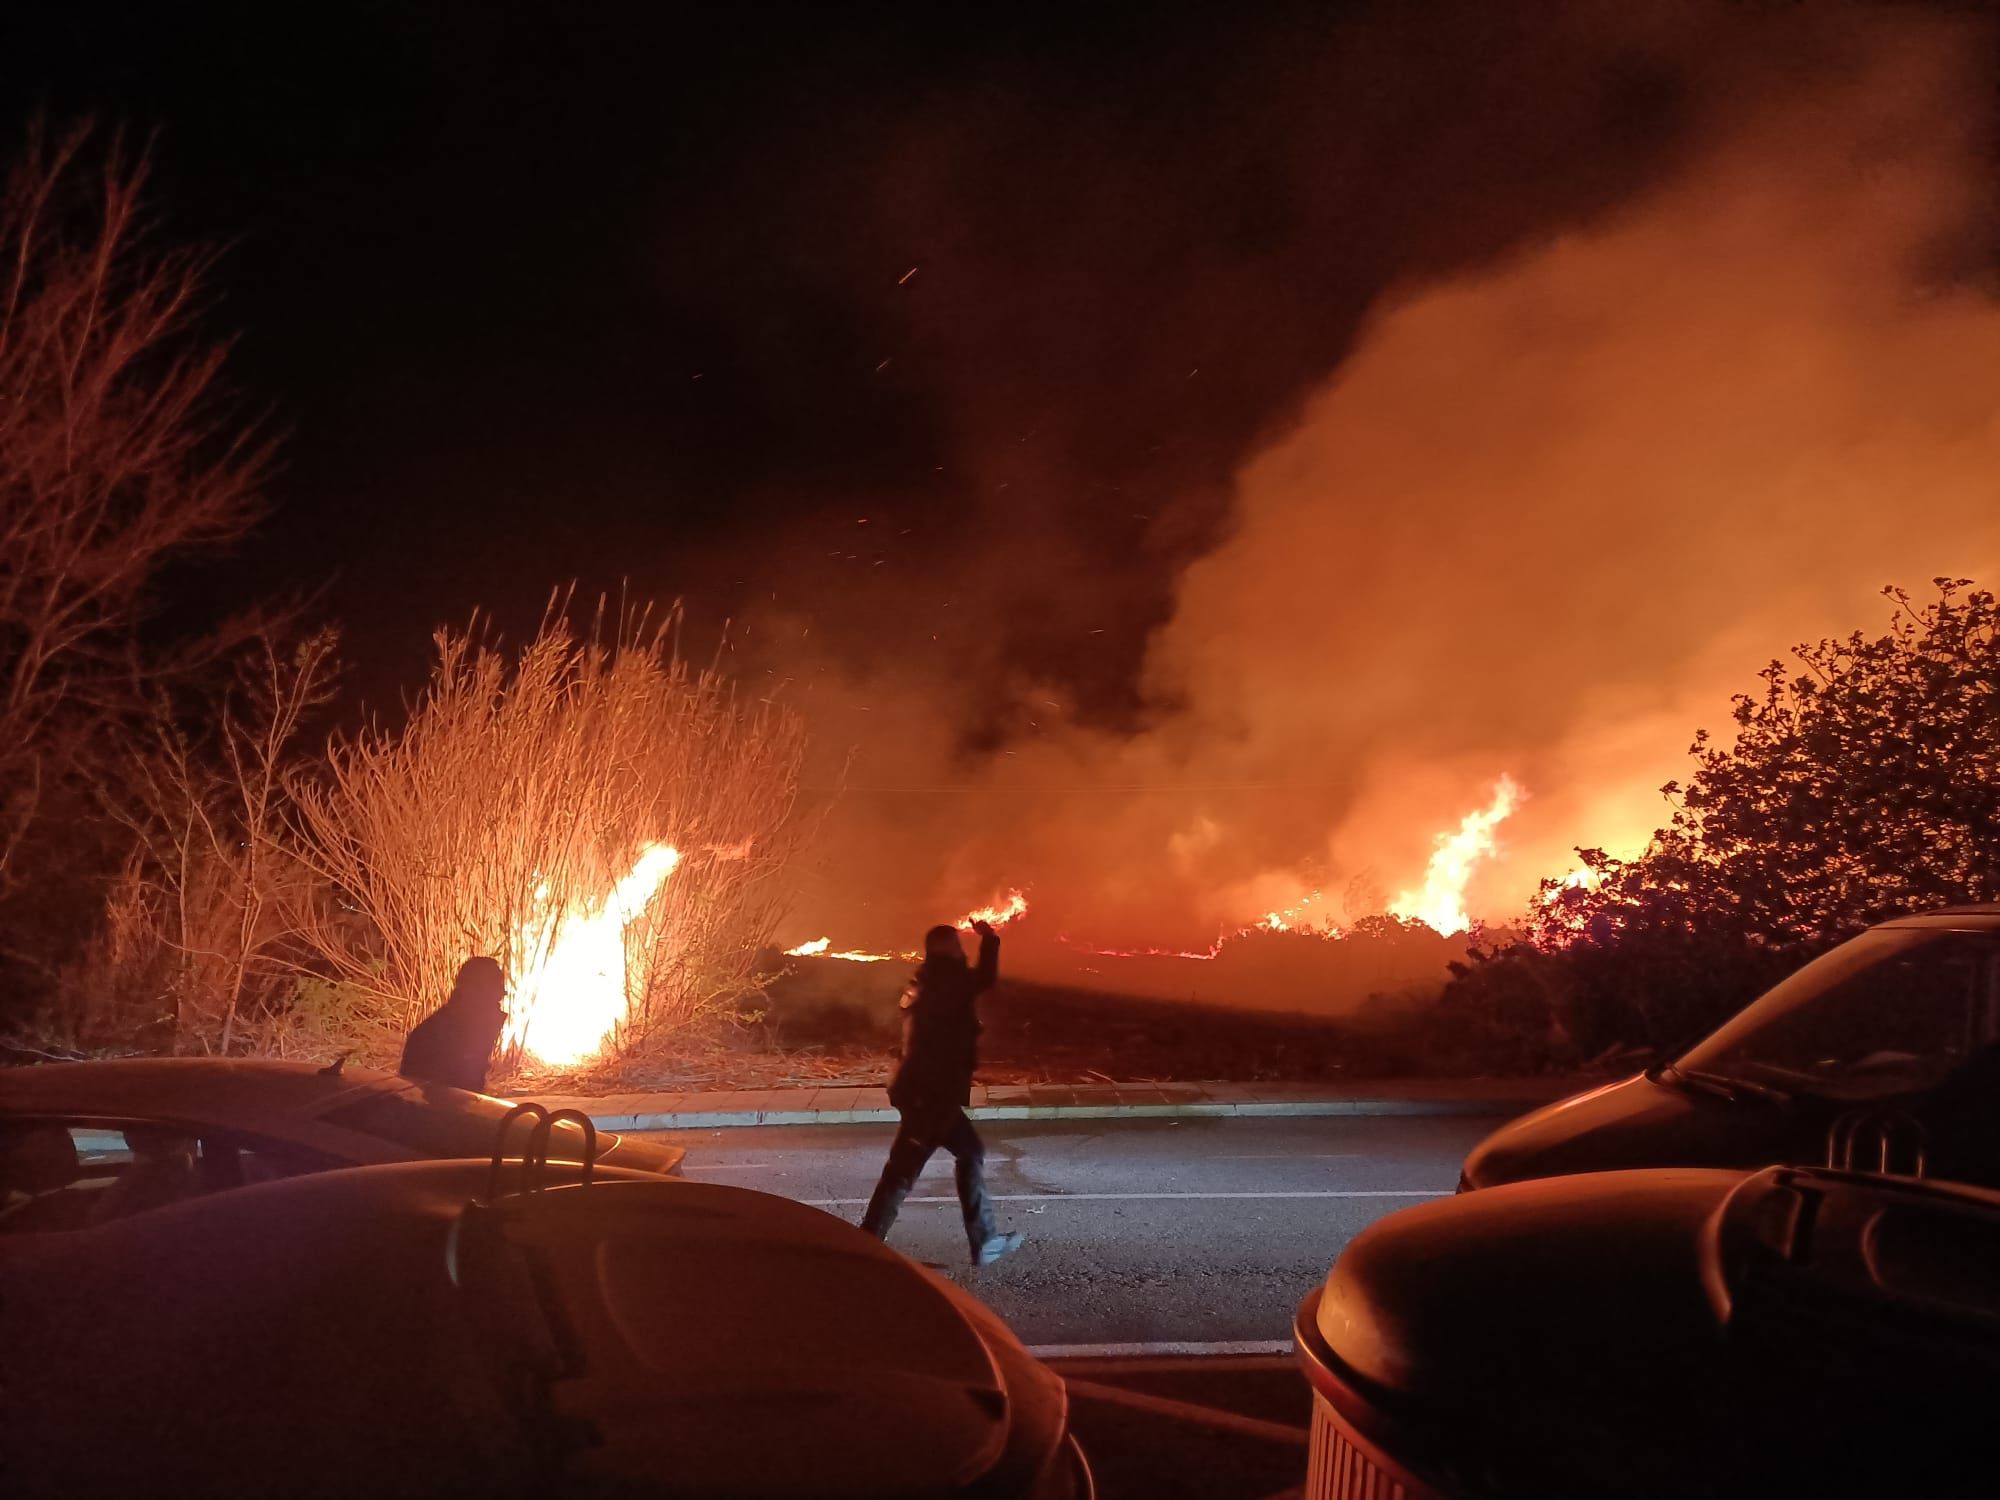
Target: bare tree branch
(117, 455)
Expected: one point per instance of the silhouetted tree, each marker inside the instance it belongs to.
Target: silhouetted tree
(116, 458)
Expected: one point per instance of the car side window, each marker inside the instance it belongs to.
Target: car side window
(60, 1174)
(71, 1174)
(1916, 1005)
(235, 1159)
(1896, 1025)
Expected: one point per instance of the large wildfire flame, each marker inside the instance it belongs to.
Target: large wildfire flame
(567, 1002)
(1440, 903)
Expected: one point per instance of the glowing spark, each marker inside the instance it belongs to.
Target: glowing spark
(566, 1005)
(1000, 913)
(1440, 905)
(900, 280)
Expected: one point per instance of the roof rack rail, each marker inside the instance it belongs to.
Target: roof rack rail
(535, 1155)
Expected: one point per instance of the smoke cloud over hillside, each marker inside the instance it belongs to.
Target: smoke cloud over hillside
(1540, 520)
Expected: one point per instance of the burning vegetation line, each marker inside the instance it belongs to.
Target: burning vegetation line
(1439, 903)
(1002, 910)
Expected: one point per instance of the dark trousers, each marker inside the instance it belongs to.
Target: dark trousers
(924, 1130)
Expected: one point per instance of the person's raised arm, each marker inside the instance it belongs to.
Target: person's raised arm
(988, 968)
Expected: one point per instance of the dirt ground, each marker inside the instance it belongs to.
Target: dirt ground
(819, 1027)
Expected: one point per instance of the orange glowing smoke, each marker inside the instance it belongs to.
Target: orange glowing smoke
(1440, 904)
(567, 1002)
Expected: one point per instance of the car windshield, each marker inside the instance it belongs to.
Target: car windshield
(445, 1122)
(1891, 1011)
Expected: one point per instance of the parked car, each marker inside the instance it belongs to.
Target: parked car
(82, 1142)
(1883, 1053)
(1794, 1331)
(400, 1330)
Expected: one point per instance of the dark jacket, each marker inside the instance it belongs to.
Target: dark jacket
(941, 1029)
(454, 1044)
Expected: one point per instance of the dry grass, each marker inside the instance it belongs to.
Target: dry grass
(196, 951)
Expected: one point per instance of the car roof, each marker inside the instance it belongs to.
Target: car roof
(1976, 916)
(223, 1090)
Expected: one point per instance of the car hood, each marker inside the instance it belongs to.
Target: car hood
(1432, 1302)
(631, 1335)
(728, 1342)
(1638, 1122)
(1681, 1329)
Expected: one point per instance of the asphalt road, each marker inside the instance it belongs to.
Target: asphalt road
(1156, 1237)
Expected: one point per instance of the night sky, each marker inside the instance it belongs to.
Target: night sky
(623, 293)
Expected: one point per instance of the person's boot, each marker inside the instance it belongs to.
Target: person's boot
(996, 1246)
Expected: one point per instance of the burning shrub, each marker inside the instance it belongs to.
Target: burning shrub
(605, 820)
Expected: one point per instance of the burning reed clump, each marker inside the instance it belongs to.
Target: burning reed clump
(603, 818)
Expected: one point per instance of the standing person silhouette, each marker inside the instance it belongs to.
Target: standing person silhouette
(933, 1084)
(454, 1043)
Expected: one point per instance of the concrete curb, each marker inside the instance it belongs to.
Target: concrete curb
(805, 1106)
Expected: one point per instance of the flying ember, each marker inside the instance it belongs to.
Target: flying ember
(566, 1004)
(1440, 904)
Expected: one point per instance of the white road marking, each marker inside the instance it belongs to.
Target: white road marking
(1170, 1348)
(733, 1166)
(1148, 1197)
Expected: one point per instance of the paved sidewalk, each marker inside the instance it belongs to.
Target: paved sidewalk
(847, 1105)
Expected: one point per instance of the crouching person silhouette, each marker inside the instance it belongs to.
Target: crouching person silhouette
(933, 1084)
(454, 1043)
